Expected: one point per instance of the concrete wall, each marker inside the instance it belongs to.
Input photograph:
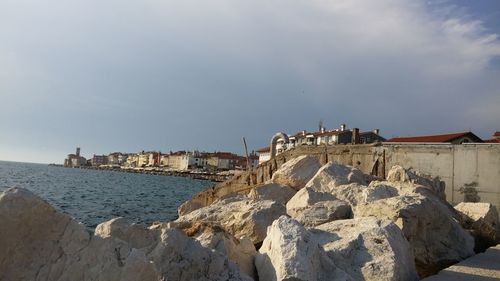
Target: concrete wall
(471, 172)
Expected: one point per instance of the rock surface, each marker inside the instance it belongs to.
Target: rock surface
(312, 208)
(368, 249)
(297, 171)
(290, 252)
(332, 175)
(399, 174)
(242, 252)
(239, 216)
(436, 238)
(272, 191)
(481, 219)
(38, 243)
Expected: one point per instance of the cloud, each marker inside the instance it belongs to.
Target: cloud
(215, 71)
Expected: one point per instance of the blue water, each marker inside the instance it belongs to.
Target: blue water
(92, 196)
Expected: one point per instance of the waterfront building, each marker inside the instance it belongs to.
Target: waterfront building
(454, 138)
(98, 160)
(154, 158)
(117, 158)
(75, 160)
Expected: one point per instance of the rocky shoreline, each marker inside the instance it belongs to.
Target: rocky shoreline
(309, 222)
(213, 177)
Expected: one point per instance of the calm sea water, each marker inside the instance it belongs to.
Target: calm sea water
(92, 196)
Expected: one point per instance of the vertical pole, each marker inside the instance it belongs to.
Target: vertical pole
(249, 168)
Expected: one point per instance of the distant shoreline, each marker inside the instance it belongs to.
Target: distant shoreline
(213, 177)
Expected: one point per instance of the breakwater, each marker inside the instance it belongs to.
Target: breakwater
(214, 177)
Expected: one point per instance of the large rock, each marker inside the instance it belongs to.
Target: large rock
(297, 172)
(290, 252)
(343, 182)
(312, 208)
(137, 236)
(379, 190)
(398, 174)
(239, 216)
(38, 243)
(178, 257)
(332, 175)
(272, 191)
(435, 236)
(240, 251)
(368, 249)
(481, 219)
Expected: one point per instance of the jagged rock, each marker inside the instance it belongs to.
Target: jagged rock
(289, 252)
(312, 208)
(242, 252)
(178, 257)
(378, 190)
(481, 219)
(332, 175)
(189, 206)
(272, 191)
(368, 249)
(435, 236)
(239, 216)
(39, 243)
(398, 174)
(137, 236)
(297, 172)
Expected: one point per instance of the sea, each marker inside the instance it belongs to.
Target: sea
(95, 196)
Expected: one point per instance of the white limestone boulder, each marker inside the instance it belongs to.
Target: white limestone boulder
(297, 171)
(312, 208)
(272, 191)
(332, 175)
(178, 257)
(239, 216)
(39, 243)
(378, 190)
(368, 249)
(240, 251)
(416, 180)
(137, 236)
(290, 252)
(436, 238)
(481, 219)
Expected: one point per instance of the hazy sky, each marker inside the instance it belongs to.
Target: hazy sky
(114, 75)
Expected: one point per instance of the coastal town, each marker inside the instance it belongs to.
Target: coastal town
(219, 166)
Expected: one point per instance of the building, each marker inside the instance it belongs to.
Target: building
(264, 154)
(455, 138)
(117, 158)
(75, 160)
(154, 158)
(495, 138)
(341, 135)
(98, 160)
(371, 137)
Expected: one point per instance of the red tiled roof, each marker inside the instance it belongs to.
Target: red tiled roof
(432, 138)
(264, 149)
(493, 141)
(496, 134)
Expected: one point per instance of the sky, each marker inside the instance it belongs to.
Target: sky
(114, 75)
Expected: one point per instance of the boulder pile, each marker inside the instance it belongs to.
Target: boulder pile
(310, 222)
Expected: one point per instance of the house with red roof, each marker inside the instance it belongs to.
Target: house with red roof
(495, 138)
(454, 138)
